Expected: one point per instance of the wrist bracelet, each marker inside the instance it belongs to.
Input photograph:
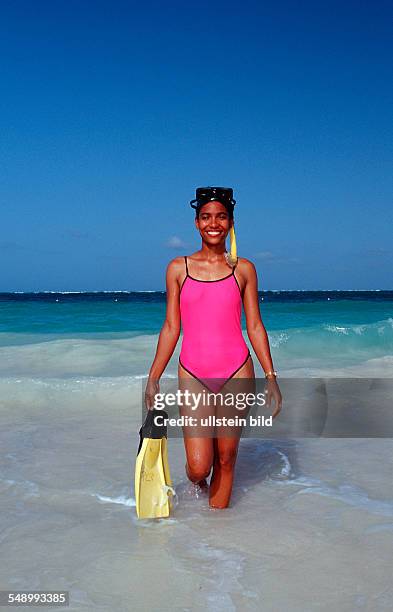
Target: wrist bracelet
(271, 374)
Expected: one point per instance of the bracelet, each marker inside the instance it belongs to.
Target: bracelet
(271, 374)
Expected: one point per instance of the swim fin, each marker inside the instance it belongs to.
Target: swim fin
(153, 485)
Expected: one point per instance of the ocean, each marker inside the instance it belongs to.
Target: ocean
(311, 333)
(310, 525)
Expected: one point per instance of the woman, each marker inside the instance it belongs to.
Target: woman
(204, 294)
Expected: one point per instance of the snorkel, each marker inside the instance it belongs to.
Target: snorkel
(224, 195)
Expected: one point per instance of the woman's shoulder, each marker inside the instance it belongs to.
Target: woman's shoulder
(180, 261)
(245, 265)
(176, 263)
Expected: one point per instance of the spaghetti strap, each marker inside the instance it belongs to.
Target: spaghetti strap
(185, 259)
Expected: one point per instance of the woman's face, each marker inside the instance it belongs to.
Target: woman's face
(213, 222)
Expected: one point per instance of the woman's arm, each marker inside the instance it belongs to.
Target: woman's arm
(255, 328)
(169, 334)
(257, 333)
(170, 331)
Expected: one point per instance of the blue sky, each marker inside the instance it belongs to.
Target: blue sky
(112, 113)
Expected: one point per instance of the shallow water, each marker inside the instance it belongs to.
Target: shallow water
(302, 510)
(310, 526)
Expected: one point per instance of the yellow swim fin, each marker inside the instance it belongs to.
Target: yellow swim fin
(153, 485)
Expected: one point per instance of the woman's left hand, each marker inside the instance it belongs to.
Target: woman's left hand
(273, 391)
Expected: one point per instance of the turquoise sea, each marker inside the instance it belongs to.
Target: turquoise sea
(310, 332)
(72, 369)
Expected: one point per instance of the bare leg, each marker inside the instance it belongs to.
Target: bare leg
(225, 453)
(199, 453)
(219, 452)
(197, 441)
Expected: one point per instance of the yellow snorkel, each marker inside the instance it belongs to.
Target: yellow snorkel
(231, 257)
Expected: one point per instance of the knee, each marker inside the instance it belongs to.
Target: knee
(227, 459)
(198, 471)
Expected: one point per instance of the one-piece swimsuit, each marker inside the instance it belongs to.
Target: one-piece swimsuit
(213, 348)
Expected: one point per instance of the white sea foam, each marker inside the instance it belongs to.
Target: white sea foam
(72, 357)
(286, 469)
(346, 493)
(121, 499)
(277, 339)
(359, 329)
(337, 328)
(20, 488)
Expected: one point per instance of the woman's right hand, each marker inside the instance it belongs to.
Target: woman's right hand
(273, 392)
(152, 387)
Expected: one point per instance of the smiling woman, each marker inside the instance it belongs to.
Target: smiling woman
(205, 292)
(223, 195)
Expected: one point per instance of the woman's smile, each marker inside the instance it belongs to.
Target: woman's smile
(213, 232)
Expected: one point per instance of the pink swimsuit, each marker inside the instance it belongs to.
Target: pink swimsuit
(213, 346)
